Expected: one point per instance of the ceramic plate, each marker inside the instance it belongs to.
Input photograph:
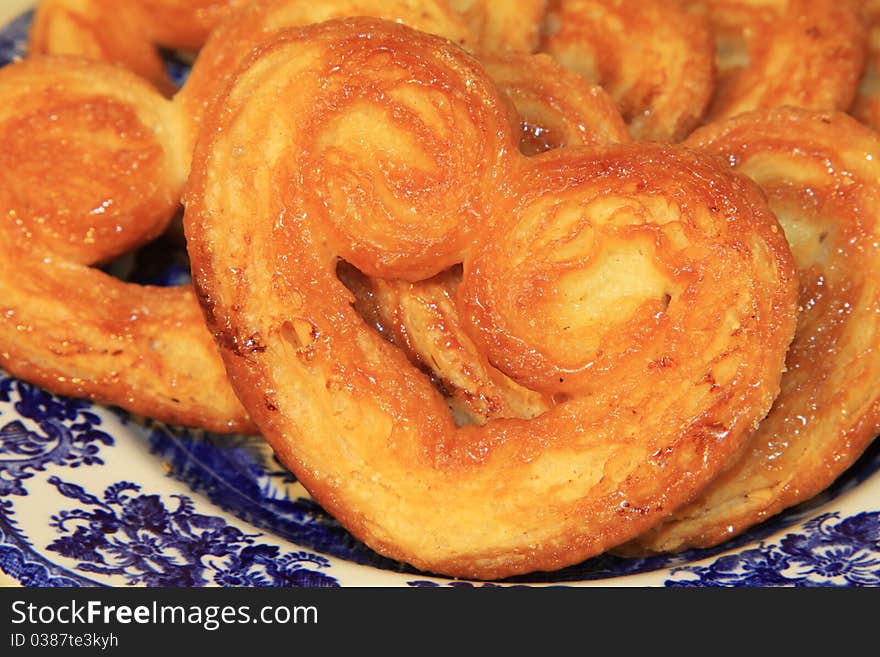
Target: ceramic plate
(90, 496)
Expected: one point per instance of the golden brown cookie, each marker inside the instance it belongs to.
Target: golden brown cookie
(247, 28)
(653, 57)
(648, 285)
(555, 108)
(820, 171)
(99, 30)
(182, 24)
(92, 168)
(802, 53)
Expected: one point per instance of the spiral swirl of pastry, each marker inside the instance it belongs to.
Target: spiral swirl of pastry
(555, 108)
(95, 30)
(92, 168)
(654, 58)
(503, 26)
(820, 171)
(366, 141)
(802, 53)
(126, 32)
(233, 39)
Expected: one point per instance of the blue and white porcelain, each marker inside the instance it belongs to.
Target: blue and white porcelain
(90, 496)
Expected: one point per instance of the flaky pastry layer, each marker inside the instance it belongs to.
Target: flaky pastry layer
(92, 164)
(366, 141)
(820, 171)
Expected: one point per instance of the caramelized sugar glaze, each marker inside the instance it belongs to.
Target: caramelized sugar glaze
(820, 171)
(391, 149)
(92, 167)
(554, 107)
(233, 39)
(601, 256)
(96, 163)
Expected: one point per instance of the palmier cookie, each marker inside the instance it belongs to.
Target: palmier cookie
(233, 39)
(802, 53)
(126, 32)
(820, 171)
(92, 168)
(653, 57)
(555, 108)
(366, 141)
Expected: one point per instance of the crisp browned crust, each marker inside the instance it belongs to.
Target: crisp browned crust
(92, 167)
(654, 58)
(234, 38)
(555, 108)
(391, 149)
(821, 173)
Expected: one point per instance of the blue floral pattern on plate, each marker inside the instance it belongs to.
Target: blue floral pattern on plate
(90, 496)
(124, 535)
(830, 552)
(136, 537)
(68, 435)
